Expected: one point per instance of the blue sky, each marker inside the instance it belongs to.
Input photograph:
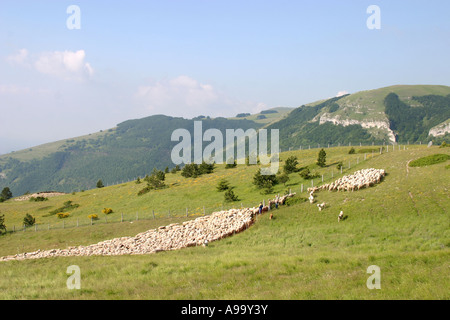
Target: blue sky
(132, 59)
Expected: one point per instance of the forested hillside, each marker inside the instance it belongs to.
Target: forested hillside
(131, 150)
(414, 123)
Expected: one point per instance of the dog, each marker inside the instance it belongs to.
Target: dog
(341, 216)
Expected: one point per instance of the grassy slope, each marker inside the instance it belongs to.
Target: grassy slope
(401, 225)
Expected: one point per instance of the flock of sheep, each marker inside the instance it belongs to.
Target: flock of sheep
(202, 230)
(364, 178)
(175, 236)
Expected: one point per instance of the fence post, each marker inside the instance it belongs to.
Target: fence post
(91, 221)
(35, 227)
(322, 178)
(121, 217)
(137, 216)
(187, 212)
(204, 211)
(302, 188)
(77, 222)
(153, 213)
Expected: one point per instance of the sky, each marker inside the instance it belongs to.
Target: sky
(66, 73)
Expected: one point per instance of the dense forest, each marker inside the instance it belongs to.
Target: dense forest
(414, 123)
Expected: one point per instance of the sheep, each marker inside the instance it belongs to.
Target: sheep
(341, 216)
(321, 206)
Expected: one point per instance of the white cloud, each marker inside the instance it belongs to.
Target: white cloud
(186, 97)
(67, 65)
(341, 93)
(19, 58)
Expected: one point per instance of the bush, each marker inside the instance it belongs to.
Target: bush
(352, 151)
(63, 215)
(2, 223)
(305, 174)
(107, 210)
(230, 196)
(230, 164)
(262, 181)
(100, 184)
(93, 216)
(29, 220)
(430, 160)
(340, 165)
(223, 185)
(38, 199)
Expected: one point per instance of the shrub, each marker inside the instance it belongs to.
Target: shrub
(62, 215)
(430, 160)
(29, 220)
(230, 196)
(93, 216)
(444, 145)
(38, 199)
(261, 181)
(305, 174)
(352, 151)
(2, 223)
(339, 165)
(230, 164)
(100, 184)
(223, 185)
(107, 210)
(283, 178)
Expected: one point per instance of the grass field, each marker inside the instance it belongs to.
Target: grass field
(401, 225)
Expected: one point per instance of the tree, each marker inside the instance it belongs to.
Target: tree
(262, 181)
(100, 184)
(29, 220)
(206, 168)
(352, 151)
(223, 185)
(231, 163)
(190, 170)
(321, 160)
(6, 193)
(290, 165)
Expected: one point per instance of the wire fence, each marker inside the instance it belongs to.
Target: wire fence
(330, 173)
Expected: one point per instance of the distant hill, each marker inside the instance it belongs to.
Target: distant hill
(387, 115)
(134, 147)
(130, 150)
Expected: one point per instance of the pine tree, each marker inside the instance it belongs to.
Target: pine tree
(321, 160)
(100, 184)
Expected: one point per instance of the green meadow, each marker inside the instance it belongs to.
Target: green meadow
(401, 225)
